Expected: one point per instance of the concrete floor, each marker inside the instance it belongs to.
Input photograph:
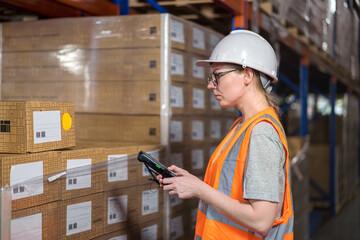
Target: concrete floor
(345, 225)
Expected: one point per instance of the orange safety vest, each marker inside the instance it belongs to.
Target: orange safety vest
(225, 173)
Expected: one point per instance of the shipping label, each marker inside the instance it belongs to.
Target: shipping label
(29, 227)
(78, 218)
(198, 38)
(78, 173)
(47, 127)
(197, 130)
(215, 105)
(197, 159)
(198, 72)
(177, 64)
(122, 237)
(177, 31)
(175, 200)
(198, 98)
(27, 180)
(177, 97)
(117, 167)
(150, 202)
(215, 129)
(176, 228)
(117, 209)
(176, 131)
(149, 233)
(214, 40)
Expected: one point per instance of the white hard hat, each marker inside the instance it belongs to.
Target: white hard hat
(245, 48)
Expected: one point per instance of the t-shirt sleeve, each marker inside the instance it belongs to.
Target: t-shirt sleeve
(264, 164)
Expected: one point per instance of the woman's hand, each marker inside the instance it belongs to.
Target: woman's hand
(185, 185)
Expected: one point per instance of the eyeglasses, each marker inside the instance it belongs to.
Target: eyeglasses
(214, 78)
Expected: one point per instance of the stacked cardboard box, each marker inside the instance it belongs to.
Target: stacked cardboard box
(133, 79)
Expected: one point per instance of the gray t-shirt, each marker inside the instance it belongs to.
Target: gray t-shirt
(264, 174)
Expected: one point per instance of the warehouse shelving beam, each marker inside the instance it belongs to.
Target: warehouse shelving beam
(332, 146)
(123, 5)
(288, 82)
(156, 6)
(304, 86)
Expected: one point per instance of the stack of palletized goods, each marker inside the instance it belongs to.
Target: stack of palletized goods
(133, 80)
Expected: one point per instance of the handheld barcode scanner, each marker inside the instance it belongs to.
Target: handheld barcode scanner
(154, 167)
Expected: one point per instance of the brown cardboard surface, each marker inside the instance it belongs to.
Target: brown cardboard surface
(96, 219)
(18, 126)
(130, 233)
(101, 127)
(77, 182)
(50, 219)
(115, 214)
(51, 190)
(146, 229)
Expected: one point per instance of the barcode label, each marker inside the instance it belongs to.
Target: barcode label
(19, 176)
(78, 174)
(198, 38)
(78, 217)
(176, 228)
(117, 209)
(198, 98)
(47, 127)
(29, 227)
(149, 233)
(177, 64)
(198, 72)
(177, 31)
(4, 126)
(197, 130)
(215, 126)
(117, 167)
(197, 159)
(177, 97)
(176, 131)
(150, 202)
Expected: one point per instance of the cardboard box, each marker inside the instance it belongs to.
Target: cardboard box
(86, 172)
(82, 218)
(27, 175)
(139, 129)
(150, 203)
(180, 98)
(40, 222)
(178, 223)
(92, 32)
(198, 41)
(120, 209)
(199, 98)
(25, 126)
(124, 234)
(178, 132)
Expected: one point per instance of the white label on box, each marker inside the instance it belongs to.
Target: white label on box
(215, 105)
(215, 129)
(150, 202)
(198, 72)
(197, 159)
(154, 154)
(177, 64)
(149, 233)
(78, 174)
(117, 209)
(29, 227)
(177, 97)
(47, 127)
(198, 98)
(214, 39)
(78, 218)
(193, 217)
(176, 228)
(175, 200)
(176, 131)
(177, 159)
(177, 31)
(197, 130)
(198, 38)
(27, 180)
(122, 237)
(117, 167)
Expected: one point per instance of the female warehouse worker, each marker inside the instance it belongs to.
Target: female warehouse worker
(246, 190)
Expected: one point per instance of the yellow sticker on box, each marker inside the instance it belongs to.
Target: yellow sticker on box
(66, 121)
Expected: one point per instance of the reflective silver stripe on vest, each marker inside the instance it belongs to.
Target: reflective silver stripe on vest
(279, 231)
(197, 237)
(200, 205)
(225, 186)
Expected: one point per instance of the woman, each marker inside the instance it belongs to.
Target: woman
(246, 190)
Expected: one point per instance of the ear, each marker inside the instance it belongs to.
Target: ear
(248, 75)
